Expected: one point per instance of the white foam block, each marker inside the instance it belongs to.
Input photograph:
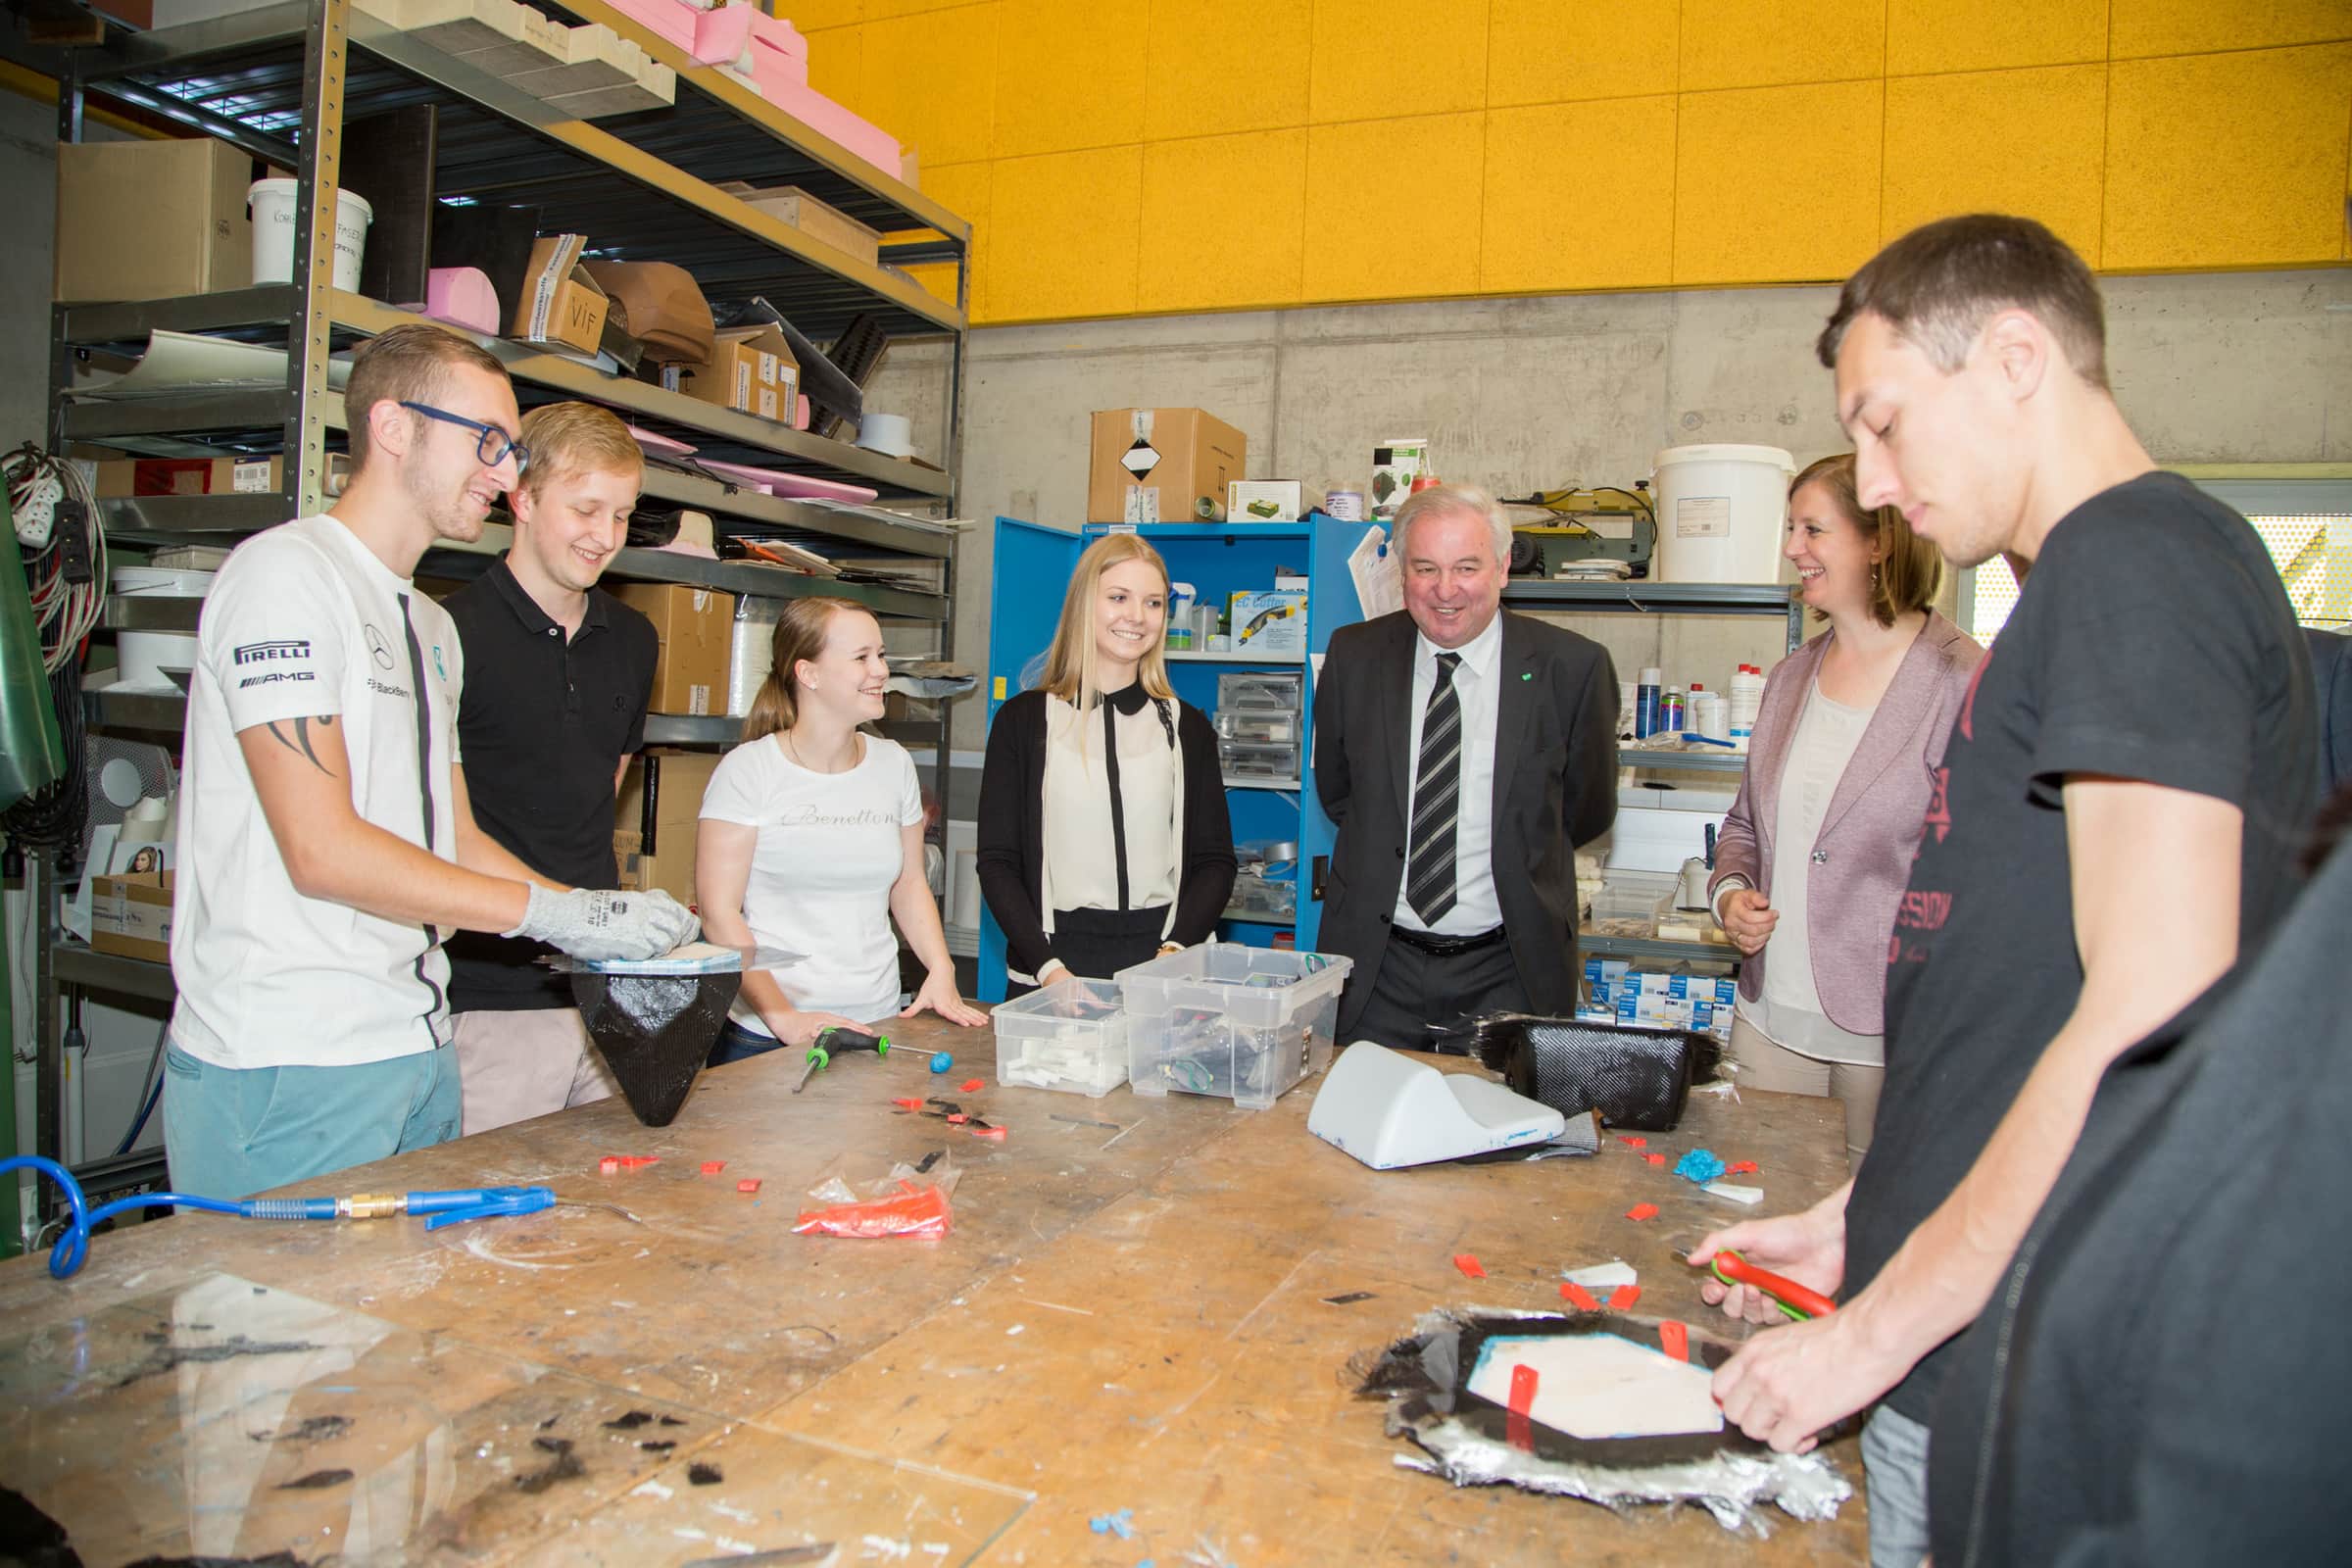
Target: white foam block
(1602, 1276)
(1735, 1192)
(1600, 1386)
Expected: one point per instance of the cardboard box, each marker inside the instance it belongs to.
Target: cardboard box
(131, 915)
(752, 369)
(204, 477)
(628, 853)
(1162, 466)
(1271, 620)
(661, 806)
(697, 628)
(151, 219)
(562, 306)
(791, 205)
(1262, 501)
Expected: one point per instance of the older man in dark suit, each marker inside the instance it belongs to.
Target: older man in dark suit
(1465, 752)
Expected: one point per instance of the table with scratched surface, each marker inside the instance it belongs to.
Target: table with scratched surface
(1130, 1313)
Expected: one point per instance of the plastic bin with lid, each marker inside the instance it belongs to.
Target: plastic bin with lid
(1257, 760)
(1263, 896)
(1237, 1022)
(1070, 1037)
(1238, 689)
(1278, 726)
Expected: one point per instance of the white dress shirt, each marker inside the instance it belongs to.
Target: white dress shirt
(1478, 678)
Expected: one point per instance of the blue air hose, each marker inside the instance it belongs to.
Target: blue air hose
(73, 1248)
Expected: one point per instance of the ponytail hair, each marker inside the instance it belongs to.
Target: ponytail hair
(800, 632)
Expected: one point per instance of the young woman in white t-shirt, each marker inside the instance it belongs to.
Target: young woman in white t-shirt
(812, 840)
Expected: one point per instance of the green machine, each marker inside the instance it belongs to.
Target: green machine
(1602, 524)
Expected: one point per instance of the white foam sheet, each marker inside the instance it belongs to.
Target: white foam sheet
(1597, 1385)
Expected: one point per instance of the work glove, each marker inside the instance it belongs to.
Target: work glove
(600, 923)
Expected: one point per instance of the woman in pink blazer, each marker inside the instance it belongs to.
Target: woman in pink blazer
(1843, 772)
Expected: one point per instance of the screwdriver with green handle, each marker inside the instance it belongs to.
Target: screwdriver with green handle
(838, 1039)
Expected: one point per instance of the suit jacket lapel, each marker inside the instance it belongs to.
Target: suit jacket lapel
(1395, 698)
(1514, 707)
(1901, 708)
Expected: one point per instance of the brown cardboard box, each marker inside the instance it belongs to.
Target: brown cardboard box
(791, 205)
(131, 915)
(697, 629)
(206, 476)
(151, 219)
(752, 369)
(560, 305)
(666, 830)
(665, 308)
(1162, 466)
(628, 852)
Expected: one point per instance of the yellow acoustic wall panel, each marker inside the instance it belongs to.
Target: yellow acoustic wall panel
(1762, 141)
(1377, 59)
(1546, 52)
(1924, 35)
(1069, 77)
(930, 80)
(1763, 43)
(2016, 141)
(2228, 160)
(1224, 223)
(1579, 196)
(1392, 208)
(1063, 236)
(1221, 66)
(1772, 183)
(2137, 27)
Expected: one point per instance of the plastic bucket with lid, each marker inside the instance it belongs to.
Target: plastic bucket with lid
(1720, 513)
(273, 233)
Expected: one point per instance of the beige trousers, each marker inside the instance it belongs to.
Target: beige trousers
(1764, 1064)
(513, 1066)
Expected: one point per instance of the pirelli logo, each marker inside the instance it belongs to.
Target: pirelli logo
(263, 652)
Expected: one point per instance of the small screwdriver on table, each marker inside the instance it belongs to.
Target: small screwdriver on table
(835, 1039)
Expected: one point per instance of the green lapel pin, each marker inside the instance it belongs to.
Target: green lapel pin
(1527, 674)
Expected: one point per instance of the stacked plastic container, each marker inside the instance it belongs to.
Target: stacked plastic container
(1221, 1020)
(1259, 725)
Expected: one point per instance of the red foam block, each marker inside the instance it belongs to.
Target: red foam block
(749, 1184)
(1523, 1399)
(1655, 1159)
(972, 1086)
(1578, 1296)
(1634, 1143)
(1642, 1212)
(1675, 1339)
(1624, 1296)
(1469, 1264)
(712, 1167)
(610, 1166)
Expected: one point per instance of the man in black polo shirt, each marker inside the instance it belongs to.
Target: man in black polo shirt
(558, 676)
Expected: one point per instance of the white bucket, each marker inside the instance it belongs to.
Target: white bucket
(273, 233)
(1721, 510)
(144, 660)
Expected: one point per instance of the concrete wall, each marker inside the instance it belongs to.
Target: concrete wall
(1521, 393)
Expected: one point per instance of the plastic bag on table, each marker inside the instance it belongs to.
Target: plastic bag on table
(911, 1210)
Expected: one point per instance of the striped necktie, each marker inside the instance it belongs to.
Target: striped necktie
(1429, 881)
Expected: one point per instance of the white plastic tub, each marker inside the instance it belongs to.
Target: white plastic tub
(145, 660)
(273, 202)
(1237, 1022)
(1070, 1037)
(1721, 510)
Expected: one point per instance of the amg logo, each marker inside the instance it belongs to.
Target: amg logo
(274, 676)
(257, 652)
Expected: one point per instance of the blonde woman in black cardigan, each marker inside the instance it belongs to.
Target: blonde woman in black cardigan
(1103, 836)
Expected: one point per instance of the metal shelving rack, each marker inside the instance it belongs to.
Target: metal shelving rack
(1663, 599)
(279, 81)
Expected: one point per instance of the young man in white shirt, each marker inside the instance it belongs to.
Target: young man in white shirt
(327, 843)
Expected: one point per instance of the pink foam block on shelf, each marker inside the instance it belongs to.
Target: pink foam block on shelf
(778, 35)
(778, 483)
(826, 117)
(673, 20)
(774, 72)
(462, 297)
(800, 412)
(720, 36)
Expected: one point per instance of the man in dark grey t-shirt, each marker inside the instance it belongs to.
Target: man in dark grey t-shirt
(2117, 812)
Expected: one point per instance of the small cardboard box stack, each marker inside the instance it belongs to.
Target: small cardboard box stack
(661, 803)
(204, 477)
(789, 204)
(752, 369)
(131, 915)
(697, 629)
(1162, 466)
(151, 219)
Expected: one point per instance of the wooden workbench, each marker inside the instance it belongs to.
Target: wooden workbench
(1126, 1316)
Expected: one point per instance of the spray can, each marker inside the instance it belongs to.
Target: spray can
(1646, 702)
(1670, 711)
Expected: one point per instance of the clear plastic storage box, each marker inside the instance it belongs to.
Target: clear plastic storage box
(1237, 1022)
(1070, 1036)
(1255, 760)
(1263, 896)
(1258, 725)
(1280, 690)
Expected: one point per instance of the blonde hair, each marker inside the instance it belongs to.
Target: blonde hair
(801, 633)
(570, 438)
(1909, 571)
(1071, 663)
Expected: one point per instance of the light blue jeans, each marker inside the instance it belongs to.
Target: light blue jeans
(1895, 1466)
(231, 1132)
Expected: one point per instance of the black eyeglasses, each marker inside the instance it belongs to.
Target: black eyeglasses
(494, 444)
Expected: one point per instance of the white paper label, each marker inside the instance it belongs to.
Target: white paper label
(768, 403)
(250, 478)
(1139, 459)
(742, 384)
(1702, 517)
(698, 700)
(1142, 503)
